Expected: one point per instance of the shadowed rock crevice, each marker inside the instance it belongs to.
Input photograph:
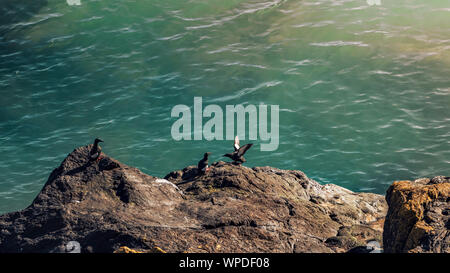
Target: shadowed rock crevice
(123, 191)
(105, 205)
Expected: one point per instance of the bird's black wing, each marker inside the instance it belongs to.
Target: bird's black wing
(94, 156)
(202, 164)
(95, 153)
(228, 155)
(244, 149)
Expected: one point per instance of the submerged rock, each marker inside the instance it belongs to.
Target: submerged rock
(418, 219)
(107, 205)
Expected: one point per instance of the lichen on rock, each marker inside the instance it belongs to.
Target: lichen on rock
(418, 218)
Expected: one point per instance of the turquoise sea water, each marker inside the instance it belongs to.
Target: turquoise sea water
(363, 91)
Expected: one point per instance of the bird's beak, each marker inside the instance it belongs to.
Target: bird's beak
(99, 140)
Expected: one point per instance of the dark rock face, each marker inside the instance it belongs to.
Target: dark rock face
(418, 218)
(106, 205)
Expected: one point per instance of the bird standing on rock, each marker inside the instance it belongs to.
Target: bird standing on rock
(202, 165)
(96, 150)
(238, 155)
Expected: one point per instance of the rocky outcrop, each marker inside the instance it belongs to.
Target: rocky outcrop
(418, 219)
(107, 206)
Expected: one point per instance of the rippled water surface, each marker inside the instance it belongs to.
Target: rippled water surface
(364, 91)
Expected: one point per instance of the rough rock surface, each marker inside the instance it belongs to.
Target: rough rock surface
(418, 219)
(106, 205)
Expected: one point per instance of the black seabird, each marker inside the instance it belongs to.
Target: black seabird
(96, 150)
(238, 155)
(202, 165)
